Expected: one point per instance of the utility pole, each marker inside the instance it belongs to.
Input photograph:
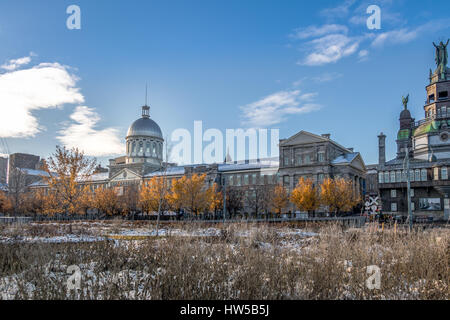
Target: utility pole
(224, 190)
(408, 190)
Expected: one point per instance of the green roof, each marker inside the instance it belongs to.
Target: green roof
(403, 134)
(432, 126)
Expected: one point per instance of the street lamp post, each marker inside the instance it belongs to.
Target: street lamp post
(408, 181)
(408, 190)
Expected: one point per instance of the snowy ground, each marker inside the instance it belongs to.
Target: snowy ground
(99, 231)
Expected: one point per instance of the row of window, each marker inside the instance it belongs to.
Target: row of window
(286, 179)
(151, 148)
(400, 176)
(441, 95)
(302, 159)
(414, 175)
(442, 112)
(251, 179)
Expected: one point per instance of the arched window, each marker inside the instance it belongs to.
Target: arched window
(141, 147)
(133, 148)
(153, 148)
(147, 148)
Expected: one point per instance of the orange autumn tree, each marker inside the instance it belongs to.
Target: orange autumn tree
(305, 196)
(5, 203)
(154, 195)
(196, 196)
(280, 199)
(35, 201)
(190, 194)
(65, 169)
(215, 199)
(339, 195)
(106, 201)
(176, 194)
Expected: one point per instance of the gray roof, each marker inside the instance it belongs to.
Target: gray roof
(33, 172)
(252, 165)
(171, 171)
(145, 127)
(345, 158)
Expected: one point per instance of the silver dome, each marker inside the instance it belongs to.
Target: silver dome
(145, 127)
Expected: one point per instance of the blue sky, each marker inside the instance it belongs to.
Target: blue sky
(292, 65)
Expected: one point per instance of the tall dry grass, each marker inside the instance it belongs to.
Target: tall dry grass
(242, 262)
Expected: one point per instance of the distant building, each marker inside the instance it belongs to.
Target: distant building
(3, 170)
(428, 145)
(317, 157)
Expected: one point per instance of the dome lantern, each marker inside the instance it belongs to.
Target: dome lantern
(145, 111)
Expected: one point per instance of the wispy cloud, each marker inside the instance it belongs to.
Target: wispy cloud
(330, 48)
(13, 64)
(315, 31)
(274, 108)
(82, 133)
(405, 35)
(394, 37)
(331, 42)
(45, 86)
(363, 55)
(340, 11)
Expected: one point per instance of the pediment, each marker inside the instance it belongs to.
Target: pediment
(125, 174)
(358, 163)
(303, 137)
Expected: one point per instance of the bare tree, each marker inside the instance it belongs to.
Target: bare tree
(235, 199)
(258, 198)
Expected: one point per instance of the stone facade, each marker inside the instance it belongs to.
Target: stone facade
(427, 146)
(317, 157)
(304, 154)
(3, 169)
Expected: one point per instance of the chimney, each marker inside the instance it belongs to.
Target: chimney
(326, 135)
(381, 149)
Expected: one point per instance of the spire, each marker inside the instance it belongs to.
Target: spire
(145, 107)
(228, 158)
(146, 94)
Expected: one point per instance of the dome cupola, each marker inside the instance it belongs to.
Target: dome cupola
(144, 140)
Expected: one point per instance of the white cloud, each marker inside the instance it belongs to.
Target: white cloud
(274, 108)
(363, 55)
(314, 31)
(339, 11)
(405, 35)
(13, 64)
(395, 37)
(45, 86)
(82, 134)
(330, 48)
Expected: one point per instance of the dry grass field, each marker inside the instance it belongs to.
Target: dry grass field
(124, 260)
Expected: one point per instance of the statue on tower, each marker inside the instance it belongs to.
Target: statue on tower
(441, 58)
(405, 101)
